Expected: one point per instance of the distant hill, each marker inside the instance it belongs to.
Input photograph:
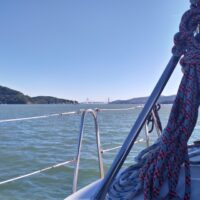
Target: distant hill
(51, 100)
(142, 100)
(10, 96)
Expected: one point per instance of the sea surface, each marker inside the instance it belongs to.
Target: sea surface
(27, 146)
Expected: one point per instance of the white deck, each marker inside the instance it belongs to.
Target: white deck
(89, 191)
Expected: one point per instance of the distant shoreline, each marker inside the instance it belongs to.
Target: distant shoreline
(142, 100)
(10, 96)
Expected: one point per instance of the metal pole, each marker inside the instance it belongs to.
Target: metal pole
(99, 149)
(76, 170)
(147, 134)
(127, 145)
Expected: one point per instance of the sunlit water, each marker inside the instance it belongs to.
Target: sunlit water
(26, 146)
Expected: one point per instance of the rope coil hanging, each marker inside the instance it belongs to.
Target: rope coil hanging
(151, 120)
(163, 160)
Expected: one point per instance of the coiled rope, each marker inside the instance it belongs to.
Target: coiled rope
(163, 160)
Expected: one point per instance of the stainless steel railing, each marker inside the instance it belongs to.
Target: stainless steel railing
(98, 142)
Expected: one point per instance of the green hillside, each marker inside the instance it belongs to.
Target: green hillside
(10, 96)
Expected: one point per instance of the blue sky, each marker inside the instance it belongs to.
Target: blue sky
(78, 49)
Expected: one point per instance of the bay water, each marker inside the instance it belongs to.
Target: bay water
(30, 145)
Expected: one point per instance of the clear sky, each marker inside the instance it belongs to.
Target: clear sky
(78, 49)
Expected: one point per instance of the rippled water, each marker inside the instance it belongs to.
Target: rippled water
(26, 146)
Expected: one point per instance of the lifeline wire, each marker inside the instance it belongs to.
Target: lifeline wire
(64, 113)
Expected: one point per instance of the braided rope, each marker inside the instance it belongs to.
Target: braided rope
(163, 160)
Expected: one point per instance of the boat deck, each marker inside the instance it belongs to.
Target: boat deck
(89, 191)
